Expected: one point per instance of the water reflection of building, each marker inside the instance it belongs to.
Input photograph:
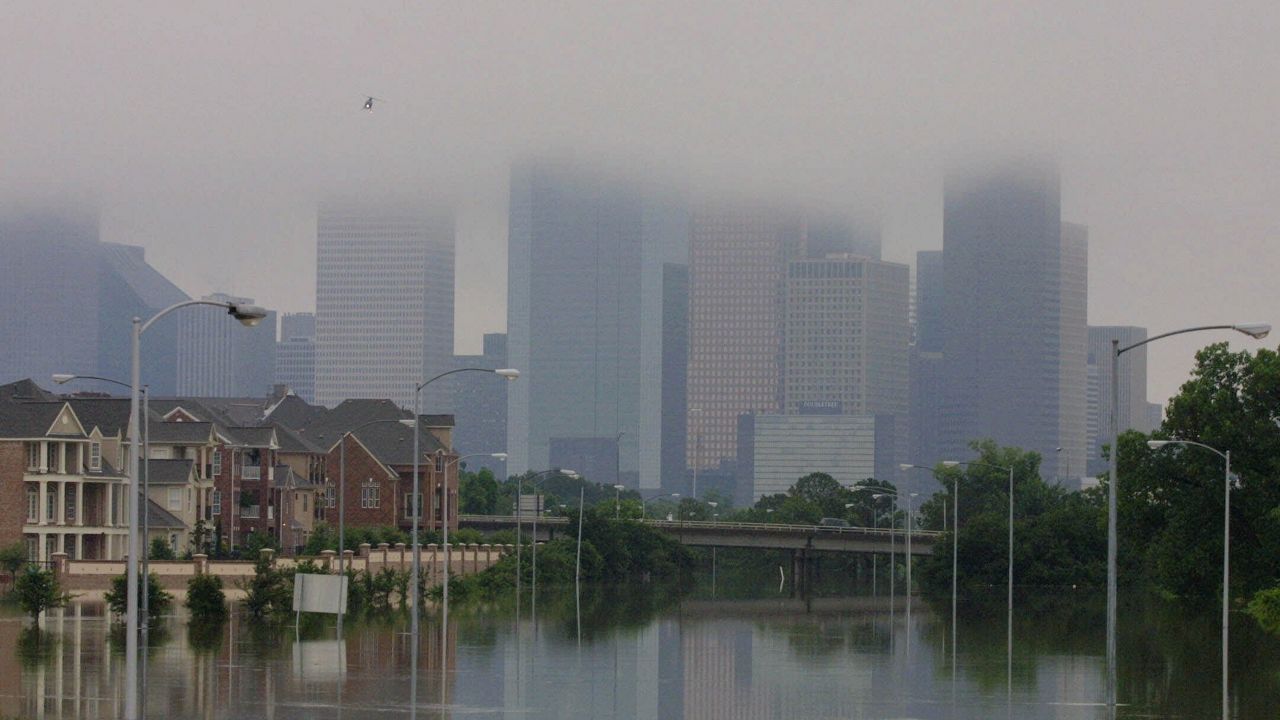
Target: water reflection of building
(240, 673)
(718, 674)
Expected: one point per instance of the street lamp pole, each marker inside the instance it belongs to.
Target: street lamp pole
(537, 510)
(1253, 330)
(1226, 552)
(616, 505)
(415, 573)
(955, 543)
(248, 315)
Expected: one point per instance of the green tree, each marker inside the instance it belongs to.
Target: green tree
(269, 593)
(205, 598)
(37, 590)
(1171, 500)
(160, 550)
(158, 600)
(478, 492)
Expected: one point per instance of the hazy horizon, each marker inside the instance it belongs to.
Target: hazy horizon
(207, 133)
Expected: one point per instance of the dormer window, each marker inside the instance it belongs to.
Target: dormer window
(95, 455)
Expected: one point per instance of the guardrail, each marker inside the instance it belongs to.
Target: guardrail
(728, 526)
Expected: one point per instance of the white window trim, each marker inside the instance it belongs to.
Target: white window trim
(95, 455)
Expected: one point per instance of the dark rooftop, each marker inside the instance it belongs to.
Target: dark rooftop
(168, 472)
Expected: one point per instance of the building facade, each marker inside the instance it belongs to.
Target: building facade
(220, 357)
(846, 341)
(58, 275)
(738, 256)
(927, 360)
(1133, 412)
(585, 320)
(1004, 324)
(479, 405)
(778, 450)
(384, 302)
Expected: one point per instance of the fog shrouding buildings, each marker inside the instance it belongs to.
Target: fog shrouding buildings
(1134, 410)
(384, 302)
(219, 357)
(846, 337)
(1005, 323)
(68, 301)
(738, 255)
(585, 320)
(296, 354)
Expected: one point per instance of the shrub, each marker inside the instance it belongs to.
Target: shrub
(268, 593)
(37, 591)
(205, 598)
(12, 558)
(1265, 608)
(117, 597)
(466, 536)
(160, 550)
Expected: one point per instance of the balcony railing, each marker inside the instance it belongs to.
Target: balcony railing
(251, 472)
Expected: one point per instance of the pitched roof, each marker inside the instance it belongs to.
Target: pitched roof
(29, 419)
(254, 437)
(180, 432)
(158, 517)
(293, 442)
(110, 415)
(294, 412)
(24, 390)
(169, 472)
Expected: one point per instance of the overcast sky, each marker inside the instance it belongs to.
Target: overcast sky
(207, 131)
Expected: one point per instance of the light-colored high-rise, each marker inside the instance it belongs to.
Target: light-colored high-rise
(219, 357)
(384, 303)
(738, 255)
(846, 340)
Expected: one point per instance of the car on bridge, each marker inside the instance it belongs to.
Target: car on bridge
(833, 523)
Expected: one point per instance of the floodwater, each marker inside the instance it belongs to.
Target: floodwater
(641, 652)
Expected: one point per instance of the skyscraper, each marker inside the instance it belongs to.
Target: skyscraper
(384, 303)
(296, 354)
(1073, 355)
(219, 357)
(68, 301)
(738, 255)
(1005, 325)
(585, 323)
(926, 360)
(846, 339)
(1134, 412)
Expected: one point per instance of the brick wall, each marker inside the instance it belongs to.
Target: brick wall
(13, 495)
(360, 469)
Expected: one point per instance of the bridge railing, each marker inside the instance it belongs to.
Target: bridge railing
(726, 526)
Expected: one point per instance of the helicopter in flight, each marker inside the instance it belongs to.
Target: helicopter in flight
(368, 103)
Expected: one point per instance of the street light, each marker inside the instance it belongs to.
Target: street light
(1226, 548)
(1256, 331)
(616, 489)
(509, 374)
(955, 543)
(644, 504)
(537, 510)
(893, 510)
(1009, 607)
(247, 315)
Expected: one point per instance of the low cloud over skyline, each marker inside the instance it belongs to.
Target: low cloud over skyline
(207, 132)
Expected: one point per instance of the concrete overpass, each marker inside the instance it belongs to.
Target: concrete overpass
(775, 536)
